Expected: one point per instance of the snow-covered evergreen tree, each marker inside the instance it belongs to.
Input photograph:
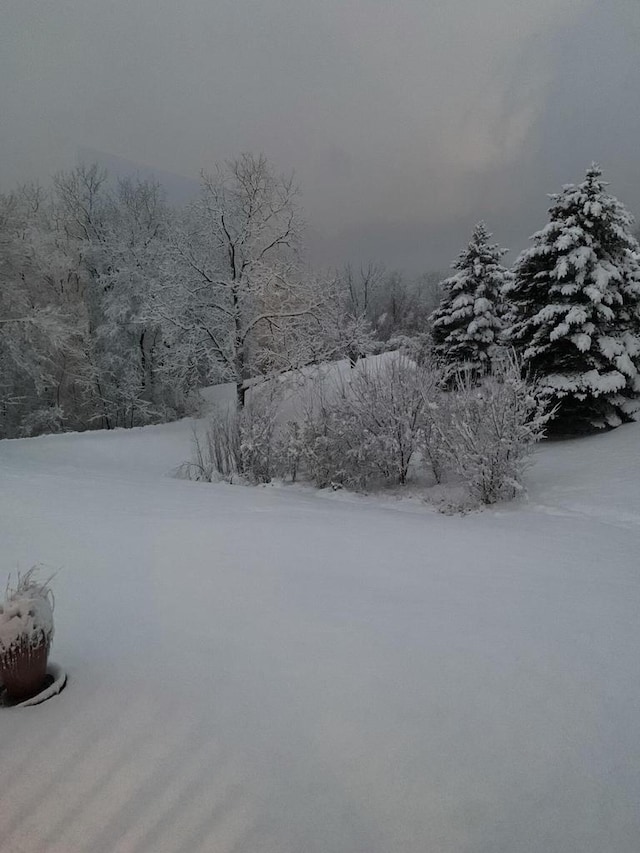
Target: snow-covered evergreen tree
(573, 307)
(467, 323)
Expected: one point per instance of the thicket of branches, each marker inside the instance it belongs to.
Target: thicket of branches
(79, 347)
(379, 425)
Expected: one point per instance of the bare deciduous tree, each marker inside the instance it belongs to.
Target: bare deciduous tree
(237, 288)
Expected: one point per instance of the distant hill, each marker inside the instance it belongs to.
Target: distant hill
(177, 187)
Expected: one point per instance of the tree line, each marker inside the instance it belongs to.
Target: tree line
(115, 308)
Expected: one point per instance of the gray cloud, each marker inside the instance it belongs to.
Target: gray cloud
(405, 121)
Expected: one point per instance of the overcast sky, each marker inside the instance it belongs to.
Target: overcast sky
(404, 120)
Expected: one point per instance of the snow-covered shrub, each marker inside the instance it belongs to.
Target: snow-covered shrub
(288, 450)
(46, 419)
(370, 425)
(26, 631)
(235, 443)
(371, 428)
(216, 453)
(258, 437)
(387, 402)
(333, 449)
(487, 430)
(430, 443)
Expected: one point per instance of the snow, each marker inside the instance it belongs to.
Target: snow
(582, 341)
(259, 670)
(27, 616)
(603, 383)
(576, 315)
(610, 347)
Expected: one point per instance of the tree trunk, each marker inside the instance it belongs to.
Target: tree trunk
(241, 393)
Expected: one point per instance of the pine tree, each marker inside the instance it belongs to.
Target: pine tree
(467, 324)
(573, 307)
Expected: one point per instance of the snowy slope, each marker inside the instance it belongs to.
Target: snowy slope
(261, 671)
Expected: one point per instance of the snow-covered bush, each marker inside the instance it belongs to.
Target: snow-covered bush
(373, 425)
(333, 449)
(387, 402)
(258, 430)
(26, 631)
(430, 444)
(487, 430)
(244, 443)
(288, 450)
(216, 453)
(45, 419)
(371, 428)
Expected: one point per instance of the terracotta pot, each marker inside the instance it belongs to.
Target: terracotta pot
(23, 670)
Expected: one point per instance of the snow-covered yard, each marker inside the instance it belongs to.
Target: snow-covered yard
(264, 670)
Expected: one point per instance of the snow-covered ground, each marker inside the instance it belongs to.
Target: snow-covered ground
(258, 670)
